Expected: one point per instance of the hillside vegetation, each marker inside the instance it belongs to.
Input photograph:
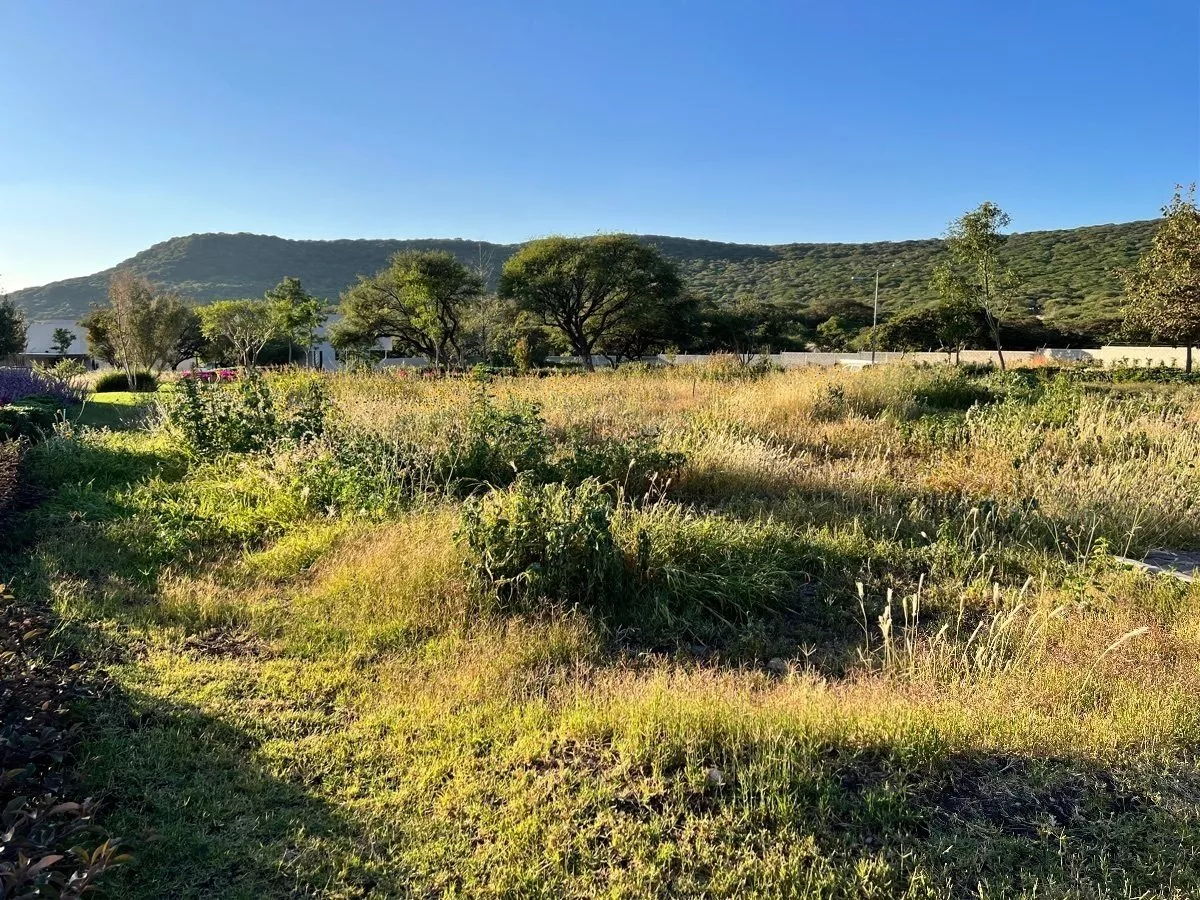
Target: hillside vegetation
(816, 634)
(1066, 274)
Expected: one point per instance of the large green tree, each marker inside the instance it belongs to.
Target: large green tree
(12, 328)
(297, 314)
(419, 301)
(244, 326)
(949, 326)
(974, 276)
(1162, 290)
(651, 328)
(590, 289)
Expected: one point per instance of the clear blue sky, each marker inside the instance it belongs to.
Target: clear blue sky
(125, 123)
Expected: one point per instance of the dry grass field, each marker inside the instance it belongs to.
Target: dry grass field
(634, 634)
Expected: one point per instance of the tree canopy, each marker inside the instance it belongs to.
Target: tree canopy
(1163, 286)
(12, 327)
(419, 301)
(297, 314)
(593, 289)
(975, 277)
(244, 325)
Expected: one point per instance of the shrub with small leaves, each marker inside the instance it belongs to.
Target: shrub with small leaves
(246, 415)
(496, 444)
(545, 544)
(636, 463)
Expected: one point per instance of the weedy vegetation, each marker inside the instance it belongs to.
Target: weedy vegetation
(638, 633)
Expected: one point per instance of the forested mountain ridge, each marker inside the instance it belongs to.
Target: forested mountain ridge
(1066, 274)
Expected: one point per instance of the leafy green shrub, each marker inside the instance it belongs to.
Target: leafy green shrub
(116, 381)
(535, 544)
(946, 389)
(634, 463)
(246, 415)
(496, 444)
(359, 472)
(661, 567)
(693, 567)
(30, 417)
(1152, 375)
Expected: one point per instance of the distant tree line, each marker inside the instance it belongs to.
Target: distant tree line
(618, 298)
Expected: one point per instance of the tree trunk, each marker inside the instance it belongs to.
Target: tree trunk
(1187, 359)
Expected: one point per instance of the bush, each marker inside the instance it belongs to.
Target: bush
(116, 381)
(353, 471)
(246, 415)
(33, 418)
(537, 544)
(949, 389)
(699, 568)
(496, 444)
(1152, 375)
(660, 567)
(635, 463)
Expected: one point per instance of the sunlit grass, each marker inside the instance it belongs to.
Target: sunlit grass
(942, 684)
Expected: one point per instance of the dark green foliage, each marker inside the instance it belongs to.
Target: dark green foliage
(419, 301)
(246, 415)
(1163, 287)
(116, 381)
(1065, 275)
(537, 544)
(635, 463)
(498, 443)
(657, 568)
(30, 417)
(297, 314)
(355, 472)
(949, 389)
(610, 294)
(1149, 375)
(63, 339)
(13, 325)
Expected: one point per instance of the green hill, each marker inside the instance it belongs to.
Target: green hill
(1066, 274)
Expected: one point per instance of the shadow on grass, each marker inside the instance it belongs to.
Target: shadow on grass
(202, 818)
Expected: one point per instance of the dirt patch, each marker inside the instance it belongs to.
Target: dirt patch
(219, 642)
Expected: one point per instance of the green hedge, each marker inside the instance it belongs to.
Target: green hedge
(116, 381)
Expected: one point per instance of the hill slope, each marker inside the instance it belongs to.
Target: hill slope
(1067, 274)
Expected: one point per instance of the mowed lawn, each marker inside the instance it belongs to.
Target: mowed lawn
(636, 634)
